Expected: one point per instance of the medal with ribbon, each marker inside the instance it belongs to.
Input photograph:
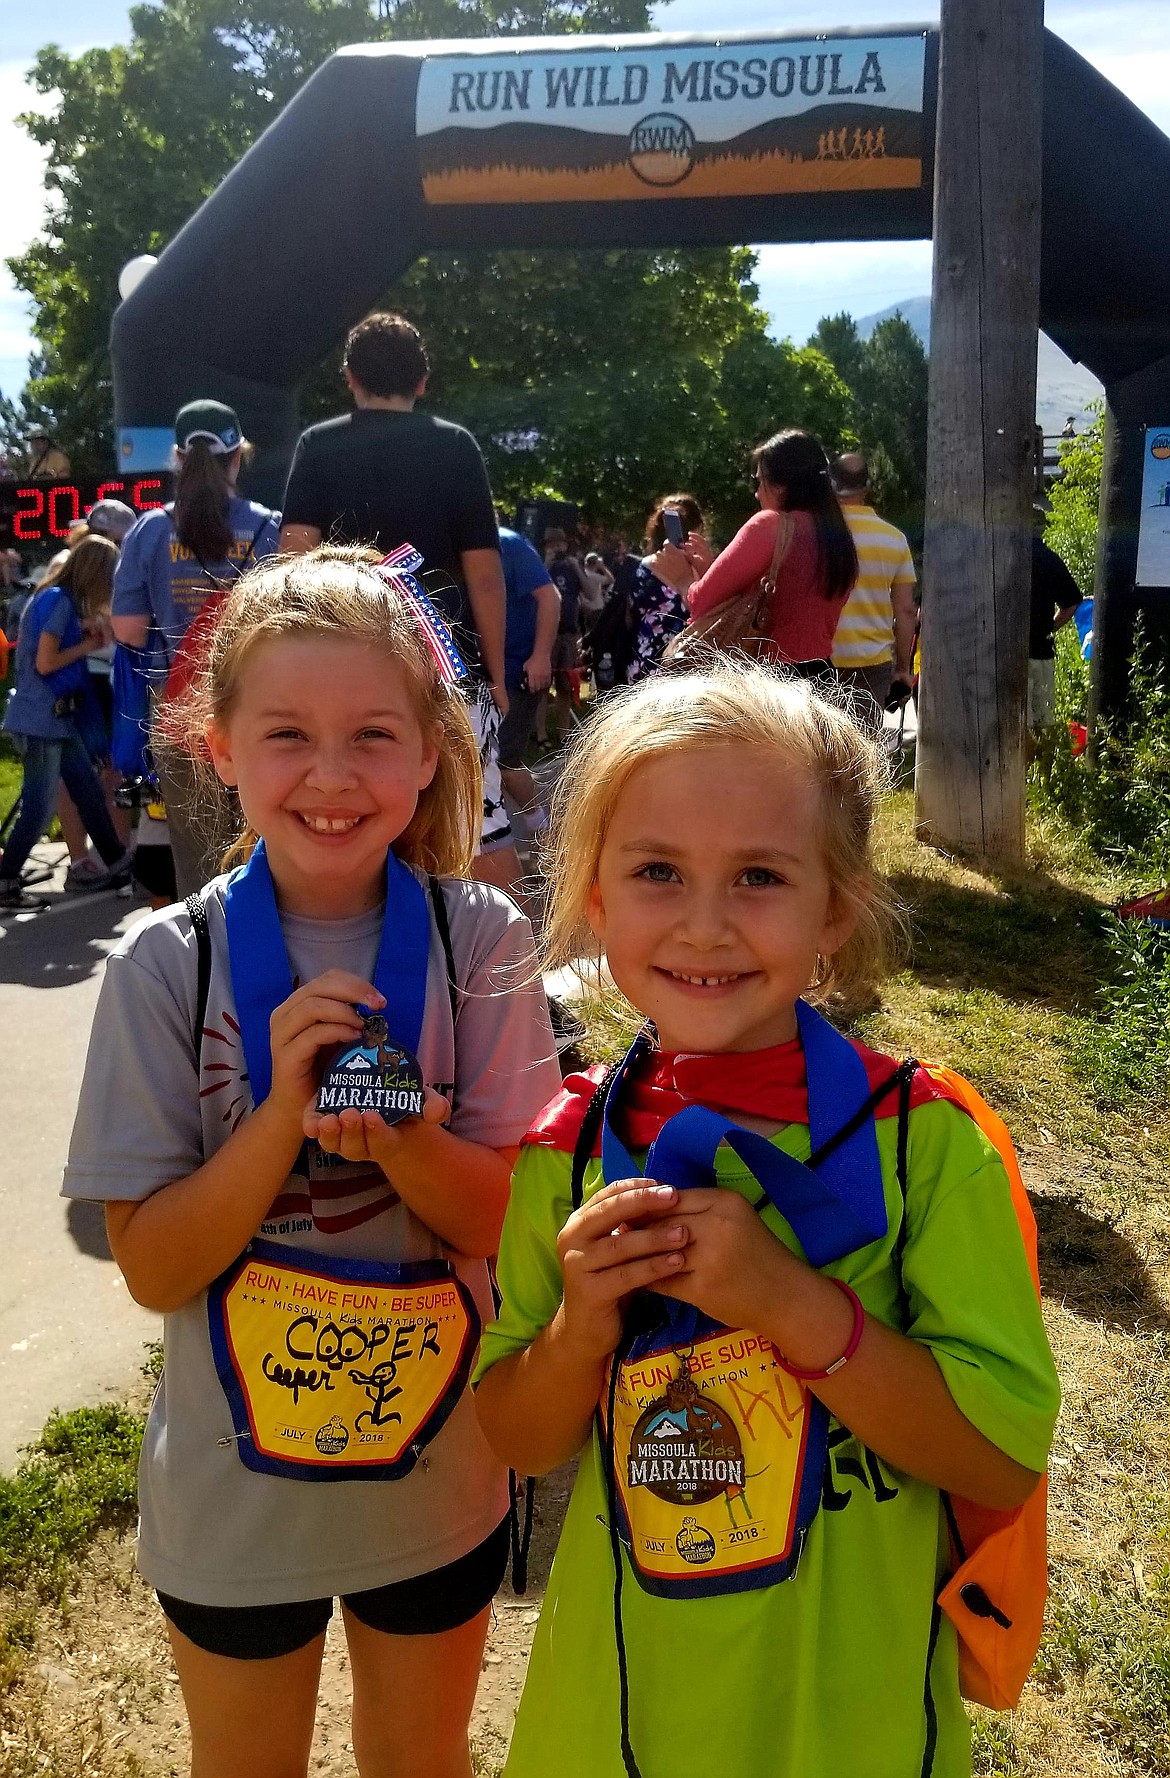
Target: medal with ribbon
(716, 1452)
(337, 1369)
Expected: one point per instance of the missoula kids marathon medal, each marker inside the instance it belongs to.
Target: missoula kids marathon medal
(684, 1448)
(716, 1452)
(337, 1369)
(373, 1075)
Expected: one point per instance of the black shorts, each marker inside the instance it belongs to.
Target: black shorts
(516, 726)
(426, 1605)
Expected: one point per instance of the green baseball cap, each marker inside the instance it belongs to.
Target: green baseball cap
(212, 421)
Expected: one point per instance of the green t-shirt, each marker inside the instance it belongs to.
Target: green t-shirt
(847, 1668)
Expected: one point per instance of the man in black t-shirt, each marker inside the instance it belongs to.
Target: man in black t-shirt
(386, 475)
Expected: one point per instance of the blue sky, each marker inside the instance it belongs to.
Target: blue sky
(1126, 39)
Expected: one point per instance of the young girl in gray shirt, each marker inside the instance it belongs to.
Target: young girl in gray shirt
(322, 1272)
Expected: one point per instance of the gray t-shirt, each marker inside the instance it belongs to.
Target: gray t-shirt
(212, 1531)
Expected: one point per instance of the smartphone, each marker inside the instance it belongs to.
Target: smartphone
(673, 526)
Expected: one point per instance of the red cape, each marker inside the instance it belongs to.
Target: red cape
(558, 1125)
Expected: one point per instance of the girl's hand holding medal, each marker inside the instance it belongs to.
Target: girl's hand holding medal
(705, 1246)
(628, 1237)
(317, 1016)
(366, 1136)
(735, 1270)
(371, 1102)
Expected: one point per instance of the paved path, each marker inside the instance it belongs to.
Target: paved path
(69, 1332)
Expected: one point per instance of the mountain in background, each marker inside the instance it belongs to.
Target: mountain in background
(1063, 387)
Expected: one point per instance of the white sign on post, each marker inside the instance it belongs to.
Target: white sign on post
(1153, 557)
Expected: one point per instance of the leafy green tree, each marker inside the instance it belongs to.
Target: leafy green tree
(837, 337)
(887, 374)
(892, 411)
(140, 135)
(16, 420)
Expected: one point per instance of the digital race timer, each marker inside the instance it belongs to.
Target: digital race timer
(38, 512)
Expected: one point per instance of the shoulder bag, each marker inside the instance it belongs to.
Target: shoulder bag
(741, 624)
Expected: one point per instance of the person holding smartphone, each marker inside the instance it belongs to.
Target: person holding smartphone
(657, 611)
(800, 531)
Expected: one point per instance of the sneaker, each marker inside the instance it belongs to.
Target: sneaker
(86, 873)
(121, 873)
(115, 876)
(15, 898)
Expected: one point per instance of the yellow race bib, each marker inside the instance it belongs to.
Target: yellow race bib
(717, 1456)
(339, 1369)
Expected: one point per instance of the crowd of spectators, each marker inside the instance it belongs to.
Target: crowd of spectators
(542, 622)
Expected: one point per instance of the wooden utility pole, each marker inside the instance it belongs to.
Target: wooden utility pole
(979, 485)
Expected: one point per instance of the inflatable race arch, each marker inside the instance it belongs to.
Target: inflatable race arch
(390, 150)
(393, 149)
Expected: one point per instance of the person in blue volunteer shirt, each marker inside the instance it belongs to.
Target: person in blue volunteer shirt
(173, 561)
(55, 719)
(533, 615)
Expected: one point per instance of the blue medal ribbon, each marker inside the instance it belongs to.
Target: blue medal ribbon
(262, 977)
(833, 1210)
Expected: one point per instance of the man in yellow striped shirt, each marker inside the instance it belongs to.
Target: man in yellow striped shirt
(874, 644)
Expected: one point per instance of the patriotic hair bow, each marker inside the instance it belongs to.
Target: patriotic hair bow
(399, 570)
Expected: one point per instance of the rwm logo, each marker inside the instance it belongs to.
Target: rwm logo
(662, 148)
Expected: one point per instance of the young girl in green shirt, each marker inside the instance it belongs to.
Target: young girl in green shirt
(774, 1391)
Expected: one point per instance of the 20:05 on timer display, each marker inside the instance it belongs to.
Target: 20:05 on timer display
(41, 512)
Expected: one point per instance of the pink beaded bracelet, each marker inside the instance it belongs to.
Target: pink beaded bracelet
(850, 1349)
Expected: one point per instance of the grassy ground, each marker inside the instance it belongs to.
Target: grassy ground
(78, 1482)
(1003, 983)
(10, 776)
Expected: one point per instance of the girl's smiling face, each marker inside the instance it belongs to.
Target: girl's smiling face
(329, 758)
(712, 898)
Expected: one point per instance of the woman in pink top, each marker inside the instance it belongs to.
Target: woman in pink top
(818, 569)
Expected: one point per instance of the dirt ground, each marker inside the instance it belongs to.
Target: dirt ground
(102, 1698)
